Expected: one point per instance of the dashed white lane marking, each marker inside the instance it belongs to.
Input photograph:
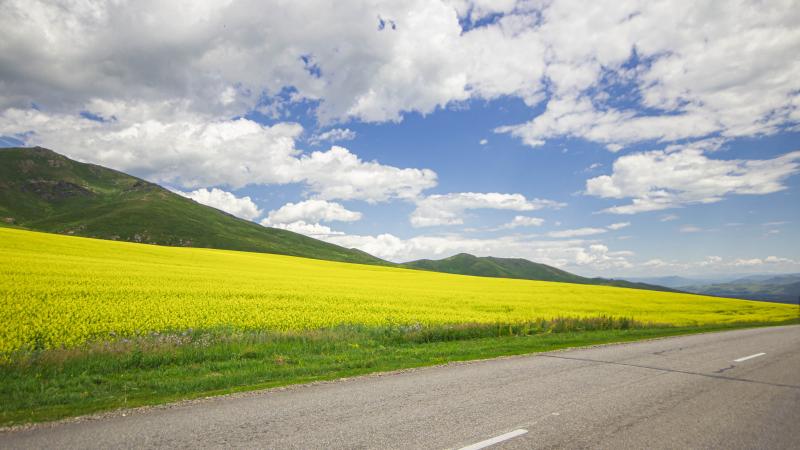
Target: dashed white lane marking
(495, 440)
(745, 358)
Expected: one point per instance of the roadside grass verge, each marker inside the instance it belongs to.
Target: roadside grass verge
(42, 385)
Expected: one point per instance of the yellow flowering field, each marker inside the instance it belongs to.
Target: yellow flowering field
(61, 291)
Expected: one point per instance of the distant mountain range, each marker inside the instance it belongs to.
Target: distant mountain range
(466, 264)
(776, 288)
(674, 282)
(44, 191)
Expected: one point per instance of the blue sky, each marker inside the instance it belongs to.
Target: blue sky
(614, 139)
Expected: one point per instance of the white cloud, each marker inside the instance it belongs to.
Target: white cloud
(337, 54)
(314, 230)
(311, 211)
(618, 225)
(656, 262)
(710, 261)
(768, 261)
(779, 260)
(729, 76)
(522, 221)
(690, 229)
(165, 143)
(748, 262)
(339, 174)
(668, 218)
(717, 264)
(372, 61)
(586, 231)
(577, 117)
(242, 207)
(659, 180)
(563, 253)
(333, 135)
(483, 142)
(448, 209)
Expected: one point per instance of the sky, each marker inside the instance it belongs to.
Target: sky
(610, 138)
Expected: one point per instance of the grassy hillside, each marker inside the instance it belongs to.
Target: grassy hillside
(466, 264)
(89, 325)
(42, 190)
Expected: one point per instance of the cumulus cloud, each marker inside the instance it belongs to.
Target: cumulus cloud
(655, 262)
(242, 207)
(563, 253)
(659, 180)
(771, 263)
(165, 143)
(337, 55)
(747, 262)
(577, 117)
(576, 232)
(710, 261)
(449, 209)
(727, 77)
(311, 211)
(333, 135)
(314, 230)
(734, 75)
(769, 260)
(779, 260)
(522, 221)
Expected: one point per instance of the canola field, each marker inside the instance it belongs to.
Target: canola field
(60, 292)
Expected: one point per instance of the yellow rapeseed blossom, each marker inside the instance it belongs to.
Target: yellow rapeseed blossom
(59, 291)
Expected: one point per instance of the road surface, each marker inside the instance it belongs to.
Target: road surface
(737, 389)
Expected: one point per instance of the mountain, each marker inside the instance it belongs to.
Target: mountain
(673, 281)
(772, 278)
(466, 264)
(44, 191)
(776, 288)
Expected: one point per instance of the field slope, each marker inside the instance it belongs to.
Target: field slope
(89, 325)
(65, 291)
(45, 191)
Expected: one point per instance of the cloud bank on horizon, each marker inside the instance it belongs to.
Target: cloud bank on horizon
(593, 134)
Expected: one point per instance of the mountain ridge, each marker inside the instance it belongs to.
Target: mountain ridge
(782, 288)
(518, 268)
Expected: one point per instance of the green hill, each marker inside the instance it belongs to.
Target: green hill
(44, 191)
(466, 264)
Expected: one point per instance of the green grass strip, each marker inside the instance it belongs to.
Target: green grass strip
(56, 384)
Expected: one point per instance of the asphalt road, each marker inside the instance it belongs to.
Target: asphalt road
(684, 392)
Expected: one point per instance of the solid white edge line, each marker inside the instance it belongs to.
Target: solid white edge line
(749, 357)
(495, 440)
